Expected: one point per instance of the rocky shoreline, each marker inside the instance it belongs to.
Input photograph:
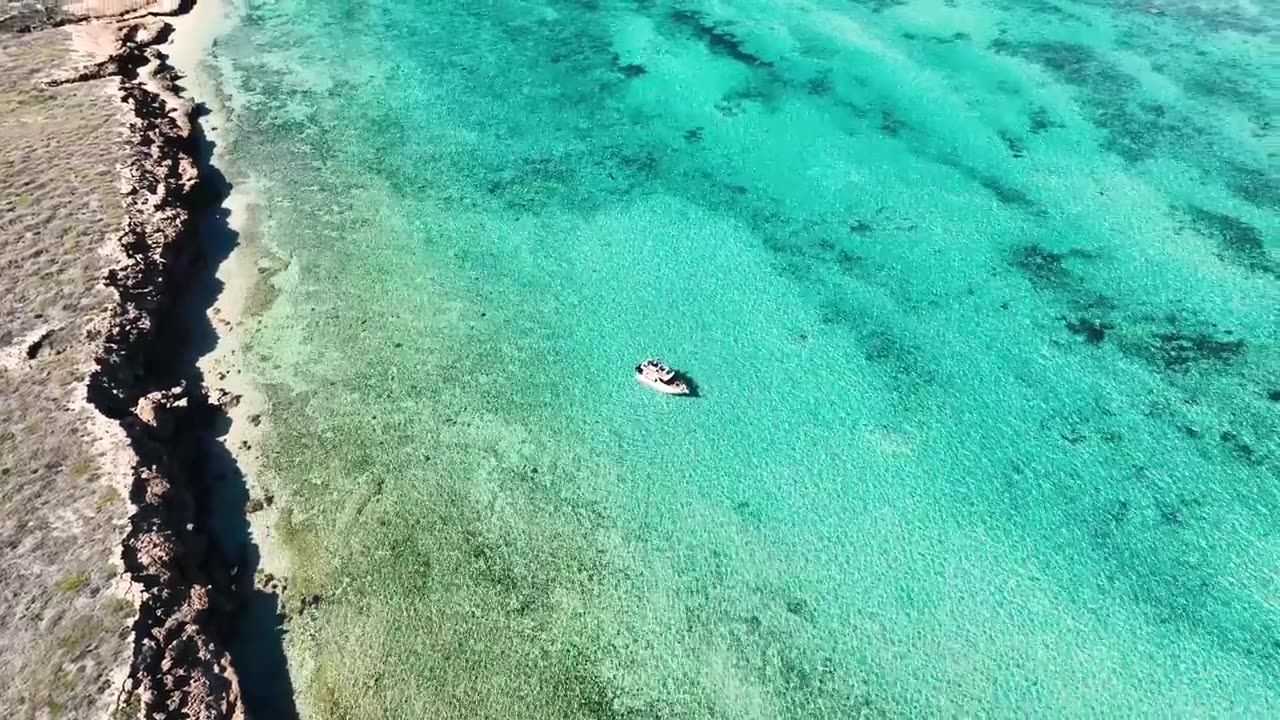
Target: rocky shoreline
(147, 381)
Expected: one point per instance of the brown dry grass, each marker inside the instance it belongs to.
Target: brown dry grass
(62, 630)
(20, 14)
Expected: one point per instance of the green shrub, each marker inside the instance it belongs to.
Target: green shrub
(130, 709)
(79, 634)
(118, 607)
(73, 582)
(81, 468)
(107, 498)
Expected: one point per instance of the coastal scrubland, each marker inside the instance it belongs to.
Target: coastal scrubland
(112, 603)
(64, 618)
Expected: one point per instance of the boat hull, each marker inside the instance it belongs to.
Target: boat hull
(675, 387)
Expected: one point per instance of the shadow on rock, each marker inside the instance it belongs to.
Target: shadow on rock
(257, 638)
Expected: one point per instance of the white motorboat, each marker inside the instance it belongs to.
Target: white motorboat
(657, 375)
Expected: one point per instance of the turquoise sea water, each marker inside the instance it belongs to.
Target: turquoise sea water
(981, 298)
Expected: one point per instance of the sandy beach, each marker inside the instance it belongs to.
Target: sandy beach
(119, 600)
(227, 223)
(226, 303)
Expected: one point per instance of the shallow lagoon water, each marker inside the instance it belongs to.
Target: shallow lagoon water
(980, 296)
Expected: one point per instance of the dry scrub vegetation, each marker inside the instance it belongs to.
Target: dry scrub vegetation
(63, 622)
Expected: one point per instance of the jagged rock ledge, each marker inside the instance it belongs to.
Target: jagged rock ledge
(181, 667)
